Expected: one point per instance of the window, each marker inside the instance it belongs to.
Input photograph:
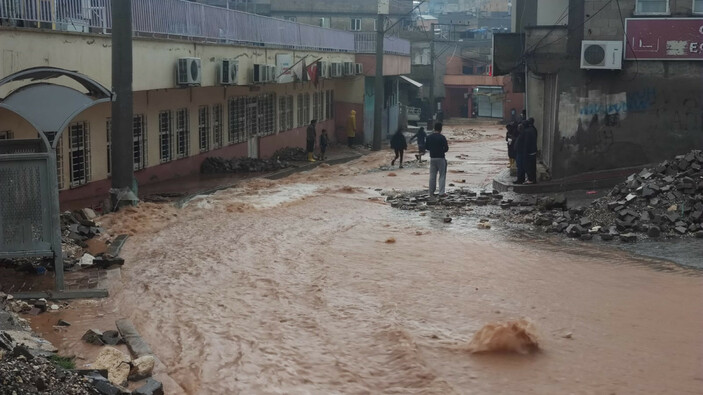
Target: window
(653, 7)
(289, 113)
(165, 136)
(315, 106)
(698, 6)
(355, 24)
(182, 133)
(289, 18)
(237, 117)
(79, 144)
(301, 119)
(267, 114)
(306, 109)
(108, 130)
(6, 135)
(59, 162)
(204, 128)
(217, 135)
(139, 142)
(328, 106)
(324, 22)
(282, 114)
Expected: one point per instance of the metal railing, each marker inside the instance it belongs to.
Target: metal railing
(176, 18)
(365, 42)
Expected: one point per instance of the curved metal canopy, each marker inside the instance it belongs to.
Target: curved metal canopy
(51, 107)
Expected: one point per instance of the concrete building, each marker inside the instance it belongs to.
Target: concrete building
(177, 125)
(611, 84)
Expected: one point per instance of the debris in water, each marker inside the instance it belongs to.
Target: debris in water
(447, 220)
(484, 225)
(390, 240)
(568, 336)
(392, 175)
(513, 336)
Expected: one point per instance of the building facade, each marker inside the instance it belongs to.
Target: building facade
(176, 126)
(611, 84)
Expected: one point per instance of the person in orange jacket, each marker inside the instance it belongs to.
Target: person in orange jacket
(351, 128)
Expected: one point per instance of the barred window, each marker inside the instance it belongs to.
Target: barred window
(301, 118)
(653, 7)
(316, 106)
(79, 138)
(331, 104)
(139, 136)
(328, 106)
(204, 128)
(289, 112)
(217, 135)
(237, 117)
(59, 162)
(306, 109)
(267, 114)
(165, 136)
(6, 135)
(108, 130)
(182, 133)
(282, 114)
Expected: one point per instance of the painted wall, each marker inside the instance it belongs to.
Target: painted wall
(392, 64)
(154, 59)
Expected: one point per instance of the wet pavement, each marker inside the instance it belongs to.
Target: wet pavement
(289, 286)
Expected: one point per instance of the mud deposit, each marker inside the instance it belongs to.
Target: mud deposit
(291, 287)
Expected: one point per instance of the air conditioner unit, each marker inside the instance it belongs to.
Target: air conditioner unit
(228, 72)
(272, 73)
(336, 70)
(260, 74)
(188, 72)
(324, 70)
(349, 68)
(601, 55)
(359, 68)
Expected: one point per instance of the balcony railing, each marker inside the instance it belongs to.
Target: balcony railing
(366, 43)
(176, 18)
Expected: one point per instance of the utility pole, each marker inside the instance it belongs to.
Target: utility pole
(379, 91)
(121, 149)
(432, 71)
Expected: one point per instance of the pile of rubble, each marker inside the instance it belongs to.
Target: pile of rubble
(291, 154)
(666, 201)
(22, 374)
(217, 165)
(84, 242)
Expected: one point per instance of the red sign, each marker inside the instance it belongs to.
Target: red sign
(664, 38)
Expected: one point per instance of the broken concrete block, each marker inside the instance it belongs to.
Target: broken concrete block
(111, 338)
(606, 237)
(152, 387)
(142, 368)
(86, 260)
(116, 363)
(628, 238)
(654, 232)
(93, 336)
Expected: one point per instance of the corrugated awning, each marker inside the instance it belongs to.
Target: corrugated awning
(411, 81)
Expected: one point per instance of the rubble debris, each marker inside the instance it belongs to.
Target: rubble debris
(152, 387)
(217, 165)
(63, 323)
(115, 362)
(93, 336)
(21, 375)
(111, 338)
(662, 202)
(291, 154)
(514, 336)
(142, 368)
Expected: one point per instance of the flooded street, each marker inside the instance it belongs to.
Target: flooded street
(290, 287)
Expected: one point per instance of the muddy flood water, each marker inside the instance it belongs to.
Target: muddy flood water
(289, 287)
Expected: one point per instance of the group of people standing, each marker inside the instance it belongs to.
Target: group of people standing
(436, 144)
(522, 150)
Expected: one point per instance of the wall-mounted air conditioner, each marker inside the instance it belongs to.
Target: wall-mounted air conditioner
(324, 69)
(228, 72)
(349, 68)
(263, 73)
(188, 72)
(336, 70)
(359, 68)
(601, 55)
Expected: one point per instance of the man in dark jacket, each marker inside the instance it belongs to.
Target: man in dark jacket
(312, 134)
(531, 151)
(510, 137)
(520, 153)
(399, 145)
(421, 136)
(437, 145)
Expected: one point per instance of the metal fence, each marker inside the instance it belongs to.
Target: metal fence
(366, 43)
(178, 18)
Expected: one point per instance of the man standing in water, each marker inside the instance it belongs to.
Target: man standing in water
(312, 134)
(436, 143)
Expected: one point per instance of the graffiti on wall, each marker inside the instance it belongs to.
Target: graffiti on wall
(593, 124)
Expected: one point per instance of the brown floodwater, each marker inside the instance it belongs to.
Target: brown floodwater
(290, 287)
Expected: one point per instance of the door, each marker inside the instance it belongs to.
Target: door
(497, 106)
(484, 106)
(252, 127)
